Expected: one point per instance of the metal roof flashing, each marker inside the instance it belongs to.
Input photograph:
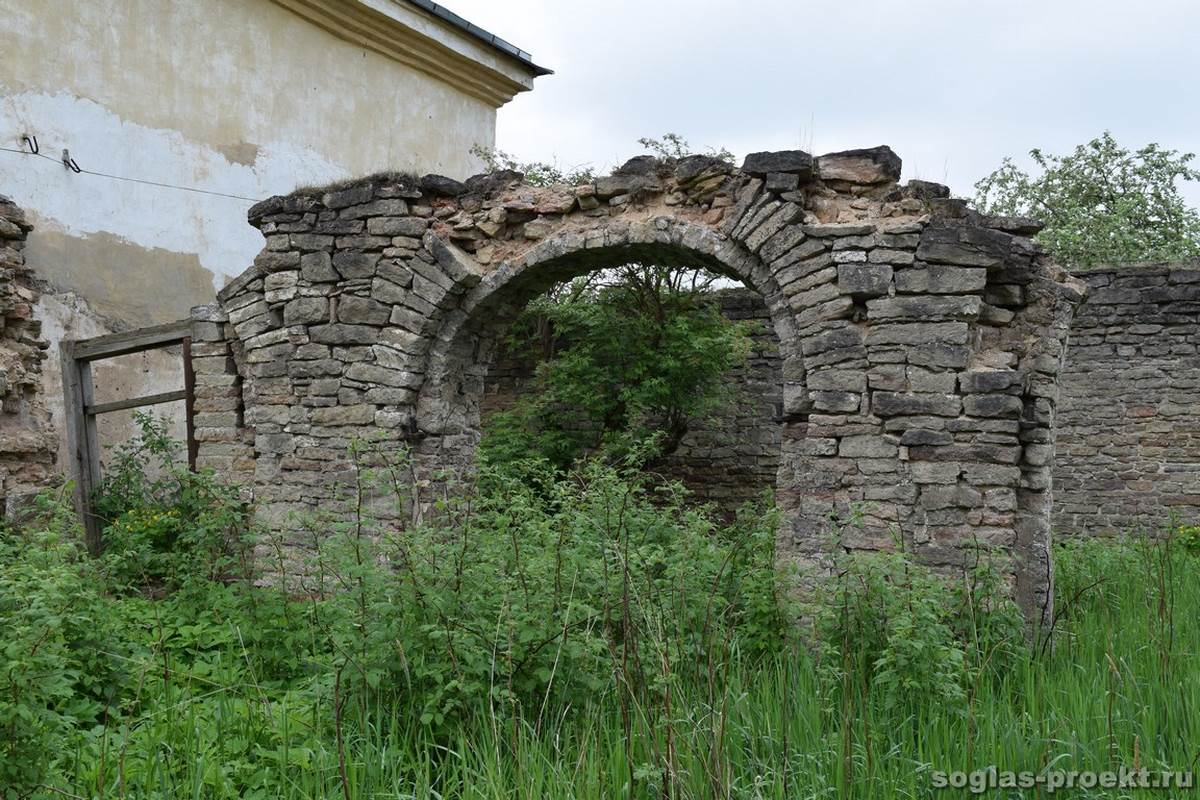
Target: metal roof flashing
(507, 48)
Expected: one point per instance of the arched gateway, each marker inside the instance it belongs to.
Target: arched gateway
(920, 341)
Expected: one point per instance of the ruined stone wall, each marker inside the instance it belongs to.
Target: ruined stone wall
(1128, 439)
(730, 456)
(1129, 415)
(920, 342)
(27, 442)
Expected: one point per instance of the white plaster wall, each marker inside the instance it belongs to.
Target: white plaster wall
(234, 97)
(238, 97)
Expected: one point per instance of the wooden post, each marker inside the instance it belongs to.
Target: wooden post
(189, 400)
(82, 443)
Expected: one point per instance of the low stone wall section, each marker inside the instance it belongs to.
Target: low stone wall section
(1129, 413)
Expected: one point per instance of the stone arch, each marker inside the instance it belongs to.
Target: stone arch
(462, 347)
(922, 341)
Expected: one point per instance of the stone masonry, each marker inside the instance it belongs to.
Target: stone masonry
(27, 443)
(1128, 439)
(920, 342)
(1129, 422)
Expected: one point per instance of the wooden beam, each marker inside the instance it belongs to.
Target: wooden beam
(135, 402)
(119, 344)
(189, 408)
(83, 447)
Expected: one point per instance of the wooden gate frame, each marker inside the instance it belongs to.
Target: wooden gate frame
(81, 409)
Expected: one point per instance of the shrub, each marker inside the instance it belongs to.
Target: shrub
(164, 524)
(623, 359)
(542, 591)
(61, 652)
(894, 632)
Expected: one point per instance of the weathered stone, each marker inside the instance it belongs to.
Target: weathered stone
(864, 280)
(393, 207)
(782, 181)
(362, 414)
(440, 185)
(317, 268)
(917, 333)
(304, 310)
(397, 226)
(354, 263)
(927, 308)
(892, 404)
(362, 310)
(339, 333)
(869, 166)
(793, 162)
(992, 405)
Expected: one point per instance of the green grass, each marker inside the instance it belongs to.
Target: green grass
(1120, 687)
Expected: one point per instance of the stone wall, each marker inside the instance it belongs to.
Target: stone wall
(731, 455)
(1128, 440)
(1129, 417)
(27, 442)
(919, 342)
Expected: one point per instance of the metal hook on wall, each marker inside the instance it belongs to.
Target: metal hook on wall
(69, 162)
(31, 140)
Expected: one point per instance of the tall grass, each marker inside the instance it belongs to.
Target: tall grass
(581, 636)
(1119, 688)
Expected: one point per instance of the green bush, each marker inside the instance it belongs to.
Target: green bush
(622, 361)
(536, 592)
(61, 650)
(894, 632)
(165, 525)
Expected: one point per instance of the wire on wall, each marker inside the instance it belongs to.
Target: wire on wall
(69, 162)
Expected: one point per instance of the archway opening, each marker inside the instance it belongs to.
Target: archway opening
(679, 361)
(608, 347)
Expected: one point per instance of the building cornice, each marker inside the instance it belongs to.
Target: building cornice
(362, 24)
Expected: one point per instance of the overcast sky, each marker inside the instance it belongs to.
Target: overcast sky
(952, 85)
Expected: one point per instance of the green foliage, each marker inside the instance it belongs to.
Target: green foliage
(59, 649)
(536, 592)
(672, 147)
(537, 173)
(1189, 537)
(1102, 204)
(635, 357)
(163, 522)
(894, 632)
(583, 635)
(669, 147)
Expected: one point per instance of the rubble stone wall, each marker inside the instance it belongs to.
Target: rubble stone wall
(27, 442)
(1129, 418)
(920, 343)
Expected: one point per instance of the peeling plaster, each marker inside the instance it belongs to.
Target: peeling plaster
(123, 281)
(149, 216)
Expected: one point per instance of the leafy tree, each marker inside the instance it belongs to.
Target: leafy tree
(625, 357)
(1102, 203)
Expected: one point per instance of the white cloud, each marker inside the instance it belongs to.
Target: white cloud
(951, 85)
